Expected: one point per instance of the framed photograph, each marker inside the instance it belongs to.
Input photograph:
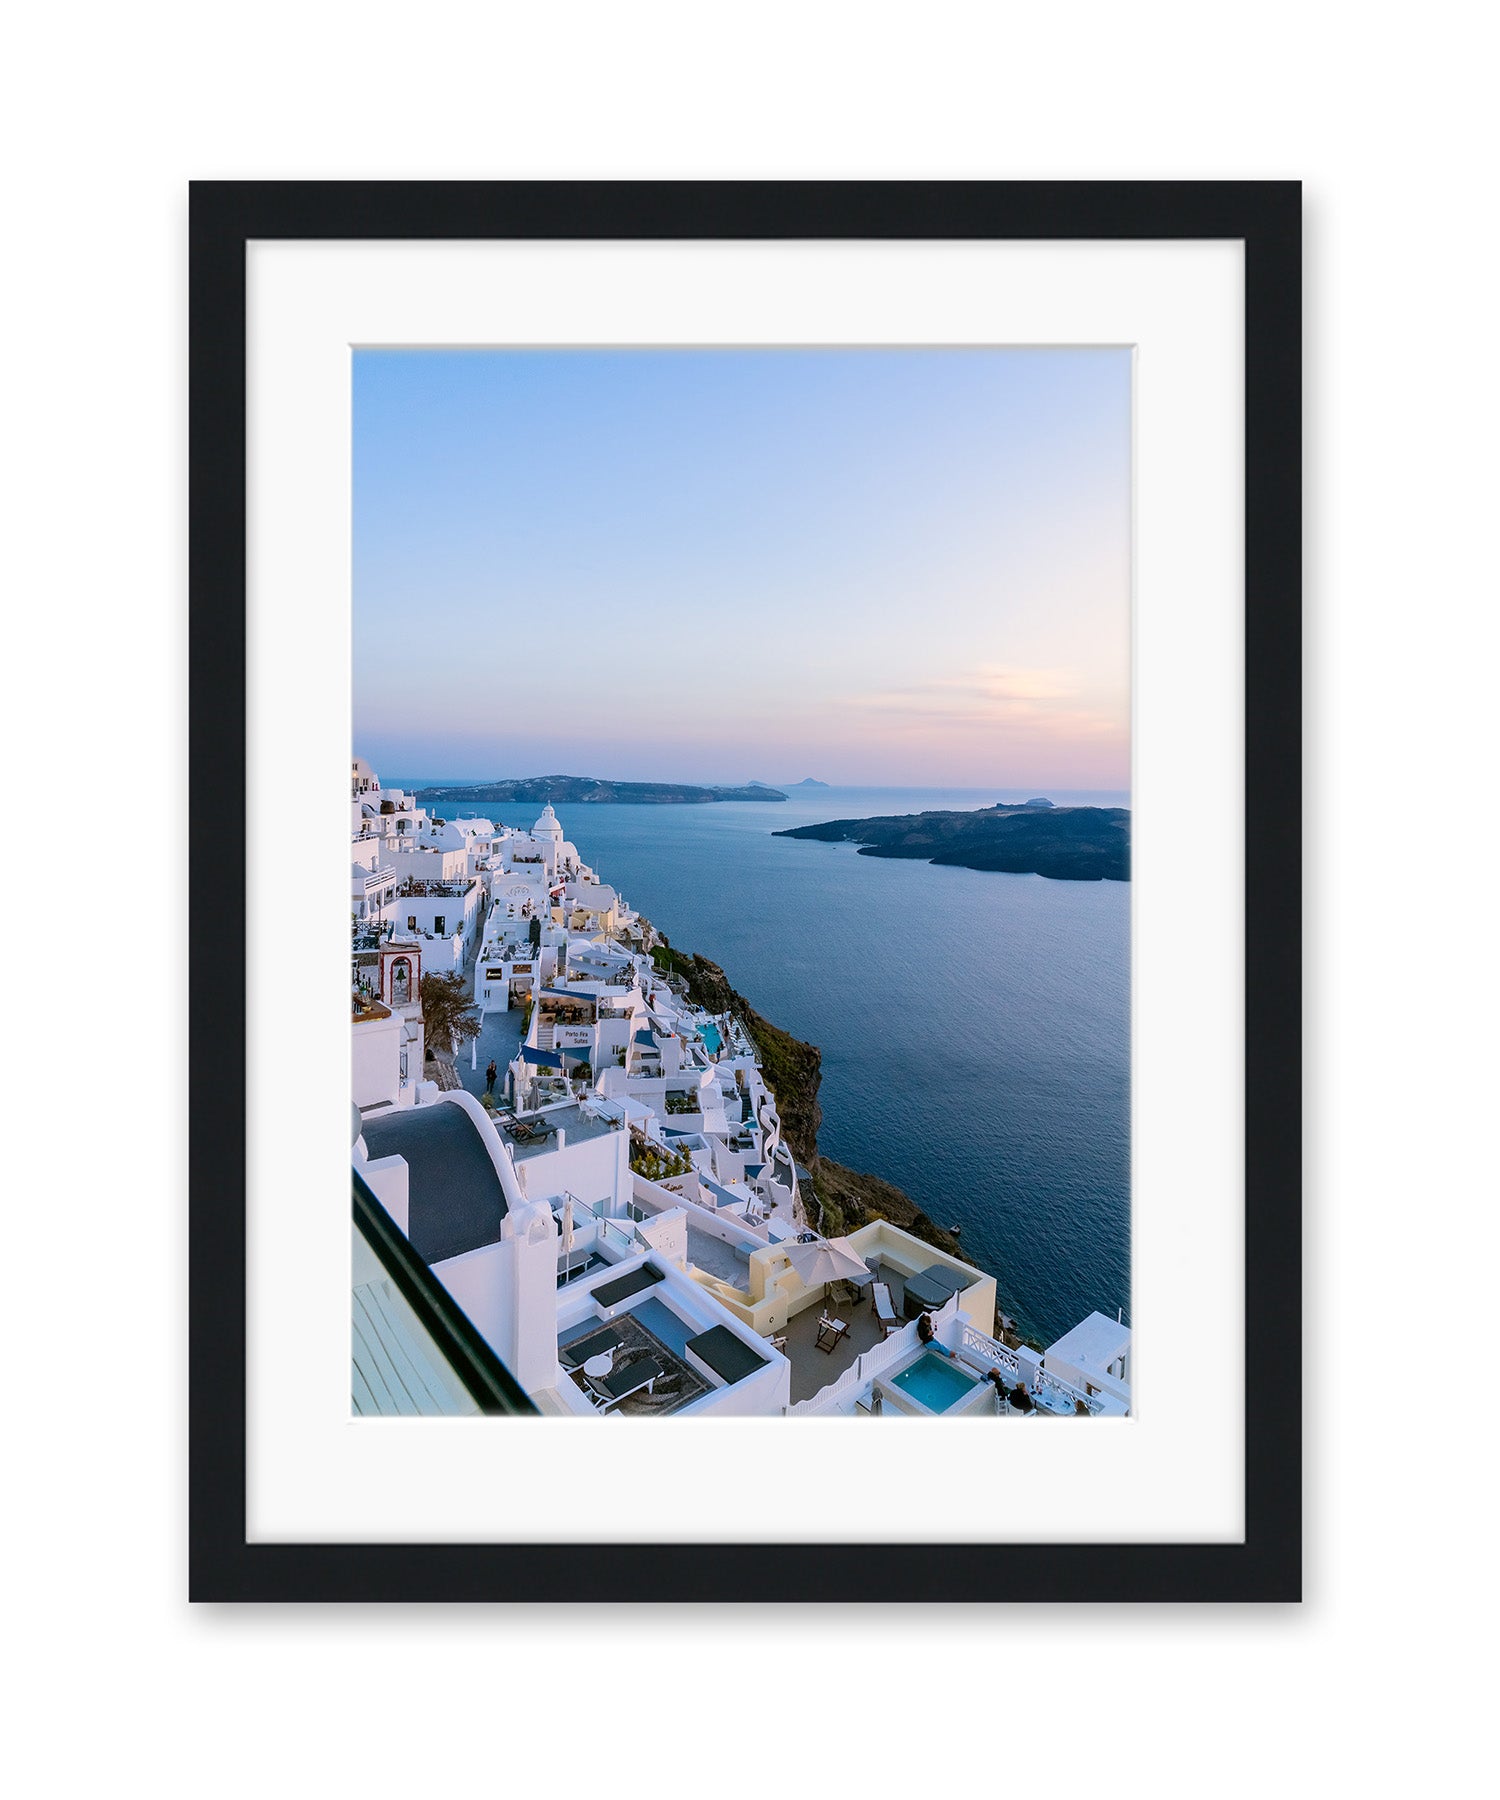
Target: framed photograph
(753, 731)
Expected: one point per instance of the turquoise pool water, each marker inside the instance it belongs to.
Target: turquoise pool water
(934, 1382)
(711, 1038)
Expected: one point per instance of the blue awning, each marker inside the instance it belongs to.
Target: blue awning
(753, 1169)
(581, 1054)
(542, 1058)
(645, 1039)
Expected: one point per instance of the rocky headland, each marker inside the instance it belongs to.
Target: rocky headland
(589, 790)
(1063, 843)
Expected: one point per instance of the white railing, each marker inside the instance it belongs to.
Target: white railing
(979, 1344)
(826, 1399)
(1065, 1391)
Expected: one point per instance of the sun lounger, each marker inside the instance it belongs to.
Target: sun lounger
(608, 1391)
(582, 1350)
(884, 1307)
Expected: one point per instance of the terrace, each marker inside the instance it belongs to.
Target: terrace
(643, 1317)
(414, 888)
(813, 1369)
(652, 1330)
(576, 1125)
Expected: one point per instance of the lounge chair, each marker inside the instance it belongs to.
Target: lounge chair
(884, 1307)
(607, 1392)
(582, 1350)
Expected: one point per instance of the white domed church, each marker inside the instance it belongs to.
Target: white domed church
(546, 844)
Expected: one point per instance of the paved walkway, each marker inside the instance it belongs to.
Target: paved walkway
(500, 1038)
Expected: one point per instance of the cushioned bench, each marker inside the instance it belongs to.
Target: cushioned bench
(624, 1286)
(730, 1357)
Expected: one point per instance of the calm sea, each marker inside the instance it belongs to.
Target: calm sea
(975, 1027)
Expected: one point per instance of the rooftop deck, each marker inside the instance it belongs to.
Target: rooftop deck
(812, 1368)
(577, 1126)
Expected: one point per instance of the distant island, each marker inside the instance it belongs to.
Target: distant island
(810, 781)
(1064, 843)
(589, 790)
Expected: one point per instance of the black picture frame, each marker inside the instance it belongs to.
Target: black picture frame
(224, 217)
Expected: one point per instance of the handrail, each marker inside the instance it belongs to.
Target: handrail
(475, 1365)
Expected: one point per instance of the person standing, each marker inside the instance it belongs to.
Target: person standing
(489, 1077)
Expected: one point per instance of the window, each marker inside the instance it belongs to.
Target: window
(411, 921)
(437, 925)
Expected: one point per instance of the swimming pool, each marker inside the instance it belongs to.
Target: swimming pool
(710, 1036)
(934, 1381)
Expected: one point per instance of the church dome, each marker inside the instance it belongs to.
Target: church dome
(548, 825)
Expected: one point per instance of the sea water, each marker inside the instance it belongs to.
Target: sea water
(975, 1027)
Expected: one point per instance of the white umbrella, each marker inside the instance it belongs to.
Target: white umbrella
(825, 1260)
(567, 1233)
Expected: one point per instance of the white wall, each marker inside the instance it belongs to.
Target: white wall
(375, 1056)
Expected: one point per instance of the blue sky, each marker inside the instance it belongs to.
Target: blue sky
(889, 566)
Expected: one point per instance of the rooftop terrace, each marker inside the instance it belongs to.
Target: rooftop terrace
(812, 1368)
(577, 1126)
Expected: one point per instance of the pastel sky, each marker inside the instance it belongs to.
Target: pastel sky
(904, 567)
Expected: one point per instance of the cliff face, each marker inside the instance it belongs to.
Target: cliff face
(794, 1071)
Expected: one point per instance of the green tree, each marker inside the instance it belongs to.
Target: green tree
(448, 1014)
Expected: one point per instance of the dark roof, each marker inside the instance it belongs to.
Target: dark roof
(456, 1202)
(636, 1282)
(730, 1357)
